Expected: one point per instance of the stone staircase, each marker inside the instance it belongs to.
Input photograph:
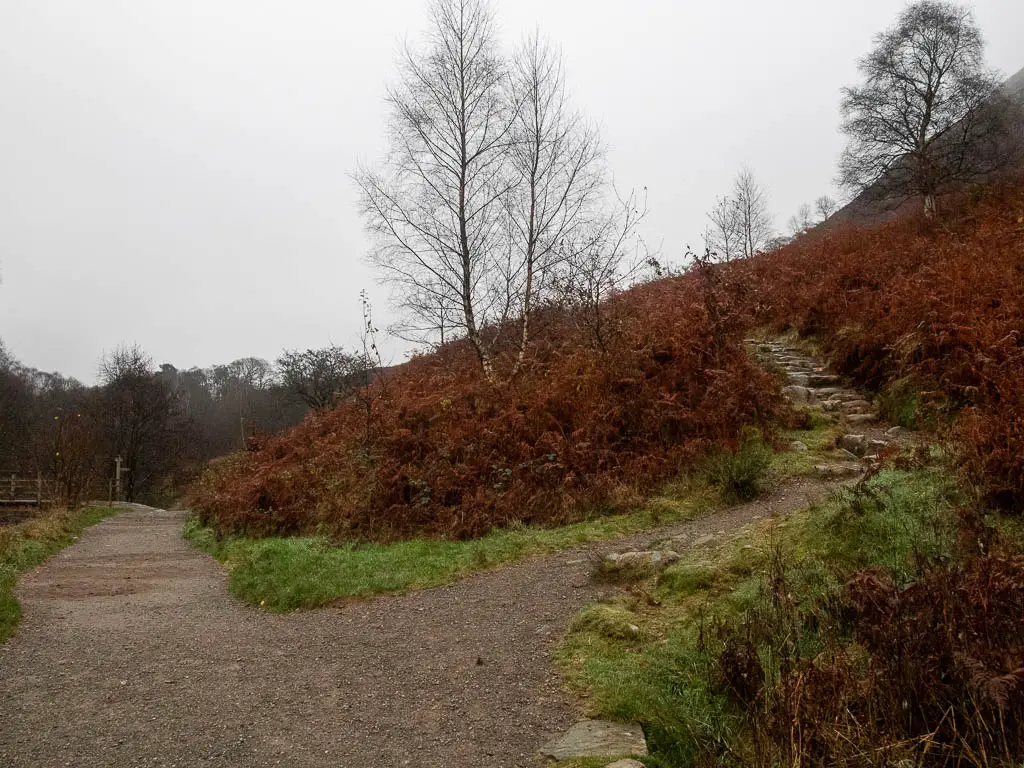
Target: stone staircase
(810, 384)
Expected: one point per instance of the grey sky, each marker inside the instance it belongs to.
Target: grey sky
(174, 172)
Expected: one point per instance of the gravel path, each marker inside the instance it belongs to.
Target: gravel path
(132, 653)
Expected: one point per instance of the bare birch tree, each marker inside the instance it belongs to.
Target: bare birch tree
(493, 188)
(928, 113)
(801, 221)
(825, 206)
(722, 237)
(753, 220)
(557, 162)
(439, 207)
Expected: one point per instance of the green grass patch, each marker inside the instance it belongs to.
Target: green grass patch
(899, 403)
(820, 439)
(739, 474)
(663, 674)
(26, 545)
(284, 574)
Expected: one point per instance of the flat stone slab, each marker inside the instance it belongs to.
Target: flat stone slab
(846, 469)
(627, 763)
(860, 418)
(854, 405)
(597, 738)
(823, 380)
(799, 395)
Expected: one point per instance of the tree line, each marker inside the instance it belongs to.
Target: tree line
(164, 423)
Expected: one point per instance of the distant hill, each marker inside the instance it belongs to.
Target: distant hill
(869, 207)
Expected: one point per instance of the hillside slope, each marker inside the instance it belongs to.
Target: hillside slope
(929, 314)
(606, 408)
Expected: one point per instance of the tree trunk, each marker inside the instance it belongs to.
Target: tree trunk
(929, 205)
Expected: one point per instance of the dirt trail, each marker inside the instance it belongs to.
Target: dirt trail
(132, 653)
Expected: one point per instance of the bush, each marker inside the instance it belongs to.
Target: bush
(739, 473)
(936, 675)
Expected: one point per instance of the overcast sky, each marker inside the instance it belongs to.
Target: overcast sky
(175, 172)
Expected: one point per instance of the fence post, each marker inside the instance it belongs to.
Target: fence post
(39, 489)
(14, 487)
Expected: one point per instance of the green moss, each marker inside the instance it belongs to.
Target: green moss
(612, 622)
(685, 580)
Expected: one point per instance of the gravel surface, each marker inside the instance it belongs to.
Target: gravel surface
(132, 653)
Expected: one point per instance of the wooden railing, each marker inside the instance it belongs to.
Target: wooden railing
(20, 490)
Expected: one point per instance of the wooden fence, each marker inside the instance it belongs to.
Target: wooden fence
(20, 490)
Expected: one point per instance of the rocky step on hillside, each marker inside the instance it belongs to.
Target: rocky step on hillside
(812, 385)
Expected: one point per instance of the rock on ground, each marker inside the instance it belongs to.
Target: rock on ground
(838, 470)
(855, 444)
(647, 559)
(597, 738)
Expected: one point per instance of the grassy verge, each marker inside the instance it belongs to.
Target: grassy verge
(26, 545)
(283, 574)
(654, 654)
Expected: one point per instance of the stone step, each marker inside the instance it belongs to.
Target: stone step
(846, 396)
(835, 391)
(860, 418)
(855, 406)
(824, 379)
(844, 469)
(855, 444)
(799, 395)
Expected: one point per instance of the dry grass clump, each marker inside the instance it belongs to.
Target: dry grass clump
(931, 673)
